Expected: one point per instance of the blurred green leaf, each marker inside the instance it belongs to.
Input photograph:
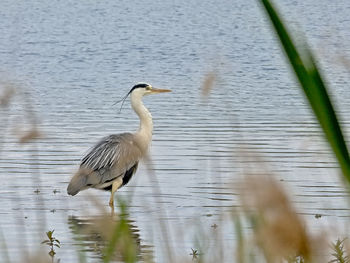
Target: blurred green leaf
(312, 84)
(240, 252)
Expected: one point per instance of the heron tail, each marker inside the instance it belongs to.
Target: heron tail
(78, 181)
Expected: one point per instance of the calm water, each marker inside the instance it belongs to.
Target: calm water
(73, 60)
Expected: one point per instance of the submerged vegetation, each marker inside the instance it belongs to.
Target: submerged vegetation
(279, 233)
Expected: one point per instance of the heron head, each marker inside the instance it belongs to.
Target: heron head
(140, 90)
(146, 89)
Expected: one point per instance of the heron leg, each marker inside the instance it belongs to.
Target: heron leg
(116, 184)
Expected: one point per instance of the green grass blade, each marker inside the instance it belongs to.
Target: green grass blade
(314, 88)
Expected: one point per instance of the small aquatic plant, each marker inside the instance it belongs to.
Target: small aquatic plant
(339, 254)
(297, 259)
(52, 242)
(194, 253)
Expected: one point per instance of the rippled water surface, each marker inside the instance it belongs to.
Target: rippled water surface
(72, 60)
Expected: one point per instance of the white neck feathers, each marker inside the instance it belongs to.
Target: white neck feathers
(144, 133)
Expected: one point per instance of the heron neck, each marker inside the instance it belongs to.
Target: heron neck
(146, 124)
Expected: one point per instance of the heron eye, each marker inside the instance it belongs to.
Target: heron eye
(148, 88)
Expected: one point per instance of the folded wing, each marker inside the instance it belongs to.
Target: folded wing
(109, 159)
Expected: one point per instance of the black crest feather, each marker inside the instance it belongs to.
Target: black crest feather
(139, 85)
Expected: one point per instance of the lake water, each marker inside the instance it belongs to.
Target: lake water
(71, 60)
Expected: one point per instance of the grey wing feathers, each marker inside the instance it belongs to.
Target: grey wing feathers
(117, 151)
(104, 154)
(107, 160)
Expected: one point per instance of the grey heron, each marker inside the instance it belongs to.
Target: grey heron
(112, 162)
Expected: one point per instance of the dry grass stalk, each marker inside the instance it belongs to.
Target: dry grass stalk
(278, 229)
(30, 135)
(208, 84)
(6, 95)
(345, 61)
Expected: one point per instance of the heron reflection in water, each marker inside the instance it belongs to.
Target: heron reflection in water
(94, 234)
(112, 162)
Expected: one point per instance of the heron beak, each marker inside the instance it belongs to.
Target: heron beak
(155, 91)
